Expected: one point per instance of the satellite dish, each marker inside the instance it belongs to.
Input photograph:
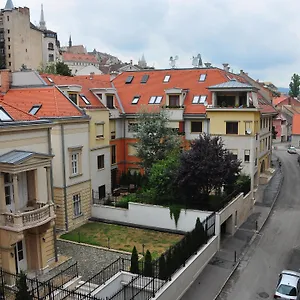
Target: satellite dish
(173, 61)
(248, 131)
(205, 103)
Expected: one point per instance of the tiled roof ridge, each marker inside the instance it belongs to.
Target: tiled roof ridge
(16, 108)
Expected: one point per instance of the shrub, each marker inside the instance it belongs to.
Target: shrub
(134, 266)
(148, 270)
(22, 288)
(162, 267)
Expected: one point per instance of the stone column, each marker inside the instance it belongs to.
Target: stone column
(2, 194)
(16, 193)
(49, 189)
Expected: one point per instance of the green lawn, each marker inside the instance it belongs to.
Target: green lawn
(123, 237)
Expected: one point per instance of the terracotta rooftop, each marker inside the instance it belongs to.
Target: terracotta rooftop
(296, 124)
(67, 56)
(277, 100)
(49, 102)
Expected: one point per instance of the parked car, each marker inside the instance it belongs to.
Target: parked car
(292, 150)
(288, 286)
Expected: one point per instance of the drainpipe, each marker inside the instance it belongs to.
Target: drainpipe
(64, 175)
(51, 179)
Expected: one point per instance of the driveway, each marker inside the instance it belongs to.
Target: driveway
(279, 243)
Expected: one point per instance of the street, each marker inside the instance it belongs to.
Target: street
(278, 247)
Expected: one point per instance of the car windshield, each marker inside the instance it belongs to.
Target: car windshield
(287, 290)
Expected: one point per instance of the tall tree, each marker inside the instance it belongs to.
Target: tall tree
(134, 266)
(22, 288)
(59, 68)
(205, 167)
(295, 86)
(155, 139)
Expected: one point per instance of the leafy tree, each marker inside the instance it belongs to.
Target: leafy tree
(244, 183)
(162, 178)
(155, 139)
(63, 69)
(295, 86)
(134, 267)
(162, 267)
(22, 288)
(148, 270)
(205, 167)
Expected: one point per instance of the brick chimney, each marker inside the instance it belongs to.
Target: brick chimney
(5, 80)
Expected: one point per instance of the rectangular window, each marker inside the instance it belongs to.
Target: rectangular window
(174, 100)
(85, 99)
(73, 98)
(144, 78)
(100, 161)
(199, 99)
(113, 154)
(234, 153)
(77, 205)
(246, 155)
(232, 127)
(248, 129)
(131, 150)
(129, 79)
(8, 18)
(34, 109)
(110, 101)
(51, 58)
(99, 130)
(135, 100)
(4, 116)
(101, 191)
(202, 77)
(112, 125)
(167, 78)
(75, 163)
(155, 99)
(196, 127)
(8, 189)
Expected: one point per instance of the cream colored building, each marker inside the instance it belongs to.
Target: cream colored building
(26, 192)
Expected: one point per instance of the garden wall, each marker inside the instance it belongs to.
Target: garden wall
(184, 278)
(146, 215)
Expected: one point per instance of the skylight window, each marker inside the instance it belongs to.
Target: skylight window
(228, 77)
(50, 79)
(199, 99)
(202, 77)
(129, 79)
(85, 99)
(34, 109)
(135, 99)
(155, 100)
(4, 116)
(167, 78)
(145, 78)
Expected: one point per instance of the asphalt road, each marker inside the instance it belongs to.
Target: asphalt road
(279, 244)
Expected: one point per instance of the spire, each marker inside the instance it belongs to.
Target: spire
(70, 41)
(9, 5)
(42, 19)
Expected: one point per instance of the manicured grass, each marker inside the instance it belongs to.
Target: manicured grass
(123, 238)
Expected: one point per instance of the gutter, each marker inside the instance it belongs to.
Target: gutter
(64, 175)
(51, 178)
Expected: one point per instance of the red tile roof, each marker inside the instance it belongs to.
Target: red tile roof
(16, 113)
(67, 56)
(180, 78)
(97, 81)
(296, 124)
(53, 102)
(277, 100)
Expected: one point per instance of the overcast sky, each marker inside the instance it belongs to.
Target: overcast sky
(262, 37)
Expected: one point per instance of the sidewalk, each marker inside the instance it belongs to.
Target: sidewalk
(214, 276)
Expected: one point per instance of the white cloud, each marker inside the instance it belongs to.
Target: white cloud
(260, 37)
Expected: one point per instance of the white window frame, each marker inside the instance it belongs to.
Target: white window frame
(155, 99)
(246, 153)
(199, 99)
(202, 77)
(4, 116)
(167, 78)
(9, 184)
(85, 99)
(135, 100)
(75, 163)
(77, 205)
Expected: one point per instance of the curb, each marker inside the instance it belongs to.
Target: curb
(252, 239)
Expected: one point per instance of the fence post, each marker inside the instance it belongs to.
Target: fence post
(37, 288)
(122, 264)
(2, 283)
(153, 289)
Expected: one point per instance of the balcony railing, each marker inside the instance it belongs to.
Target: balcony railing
(29, 219)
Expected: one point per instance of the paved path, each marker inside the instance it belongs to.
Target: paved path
(279, 245)
(215, 274)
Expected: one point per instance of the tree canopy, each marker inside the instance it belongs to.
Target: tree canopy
(295, 86)
(59, 68)
(155, 139)
(206, 166)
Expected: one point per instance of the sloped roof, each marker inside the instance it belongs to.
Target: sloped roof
(54, 104)
(231, 84)
(67, 56)
(15, 157)
(296, 124)
(86, 82)
(277, 100)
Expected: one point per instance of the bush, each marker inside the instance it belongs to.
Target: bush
(134, 266)
(148, 270)
(22, 288)
(243, 183)
(162, 268)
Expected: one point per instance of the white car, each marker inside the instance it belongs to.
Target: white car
(288, 286)
(292, 150)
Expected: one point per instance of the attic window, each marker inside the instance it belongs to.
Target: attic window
(167, 78)
(155, 100)
(199, 99)
(135, 99)
(202, 77)
(129, 79)
(4, 116)
(85, 99)
(34, 109)
(228, 77)
(145, 78)
(50, 80)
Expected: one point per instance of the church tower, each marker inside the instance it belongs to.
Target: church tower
(70, 41)
(42, 19)
(9, 5)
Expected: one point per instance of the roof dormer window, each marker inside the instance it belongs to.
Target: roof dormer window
(145, 78)
(199, 99)
(135, 100)
(49, 79)
(202, 77)
(34, 109)
(73, 97)
(110, 101)
(155, 100)
(129, 79)
(167, 78)
(85, 99)
(4, 116)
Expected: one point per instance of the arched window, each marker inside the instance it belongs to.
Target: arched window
(50, 46)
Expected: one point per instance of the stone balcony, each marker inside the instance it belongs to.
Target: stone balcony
(27, 219)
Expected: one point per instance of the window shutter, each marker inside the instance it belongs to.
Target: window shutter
(100, 130)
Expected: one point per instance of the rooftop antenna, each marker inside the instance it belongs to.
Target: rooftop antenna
(173, 61)
(197, 61)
